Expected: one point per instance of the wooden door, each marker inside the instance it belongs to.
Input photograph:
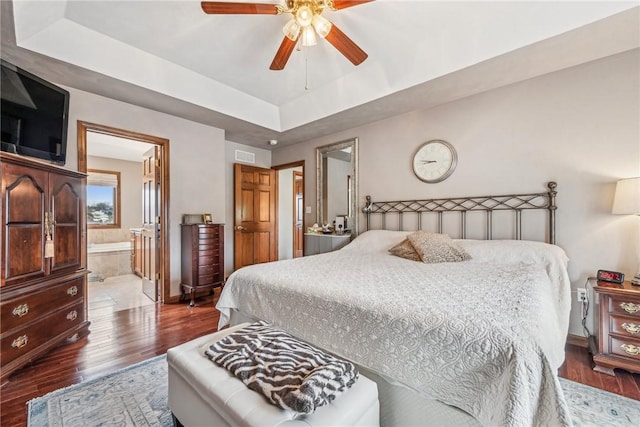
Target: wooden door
(298, 209)
(66, 208)
(150, 221)
(255, 234)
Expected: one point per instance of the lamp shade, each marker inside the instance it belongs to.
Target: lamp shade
(308, 36)
(292, 30)
(627, 197)
(321, 25)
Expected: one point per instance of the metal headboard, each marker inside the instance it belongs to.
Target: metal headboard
(512, 202)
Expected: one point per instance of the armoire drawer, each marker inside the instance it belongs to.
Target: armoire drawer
(24, 340)
(18, 311)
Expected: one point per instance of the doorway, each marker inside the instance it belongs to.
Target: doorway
(290, 210)
(268, 213)
(149, 224)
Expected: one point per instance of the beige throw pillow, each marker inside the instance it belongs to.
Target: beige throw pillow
(435, 247)
(406, 250)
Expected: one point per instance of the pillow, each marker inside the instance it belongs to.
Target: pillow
(406, 250)
(375, 241)
(434, 247)
(508, 251)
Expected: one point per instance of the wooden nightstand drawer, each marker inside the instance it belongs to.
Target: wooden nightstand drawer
(19, 311)
(26, 339)
(625, 347)
(625, 326)
(625, 306)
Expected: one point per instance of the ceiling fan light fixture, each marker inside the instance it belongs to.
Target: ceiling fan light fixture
(322, 25)
(308, 36)
(291, 29)
(304, 15)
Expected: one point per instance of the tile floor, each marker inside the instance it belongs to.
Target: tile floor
(114, 294)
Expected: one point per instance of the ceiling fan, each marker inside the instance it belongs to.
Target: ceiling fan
(306, 22)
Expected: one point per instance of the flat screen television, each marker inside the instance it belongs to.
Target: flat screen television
(34, 115)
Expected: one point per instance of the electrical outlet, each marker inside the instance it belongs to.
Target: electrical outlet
(582, 294)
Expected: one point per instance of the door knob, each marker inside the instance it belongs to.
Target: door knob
(240, 228)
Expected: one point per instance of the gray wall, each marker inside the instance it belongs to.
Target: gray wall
(579, 127)
(196, 154)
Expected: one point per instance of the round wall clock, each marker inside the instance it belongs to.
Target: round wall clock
(434, 161)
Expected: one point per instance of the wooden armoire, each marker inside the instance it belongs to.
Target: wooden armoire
(43, 288)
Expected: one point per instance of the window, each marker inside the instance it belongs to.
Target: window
(103, 199)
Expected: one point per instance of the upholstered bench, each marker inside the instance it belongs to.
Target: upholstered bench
(203, 394)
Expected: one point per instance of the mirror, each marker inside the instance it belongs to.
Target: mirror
(337, 183)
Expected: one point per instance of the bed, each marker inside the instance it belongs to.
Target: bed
(476, 342)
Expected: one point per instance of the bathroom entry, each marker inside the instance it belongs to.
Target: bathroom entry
(124, 215)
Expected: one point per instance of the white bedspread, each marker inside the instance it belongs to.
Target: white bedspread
(485, 335)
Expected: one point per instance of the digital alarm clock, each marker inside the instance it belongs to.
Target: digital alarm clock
(610, 276)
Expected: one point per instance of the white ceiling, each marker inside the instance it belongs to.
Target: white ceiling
(113, 147)
(172, 57)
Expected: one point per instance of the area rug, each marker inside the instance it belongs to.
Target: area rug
(133, 396)
(137, 396)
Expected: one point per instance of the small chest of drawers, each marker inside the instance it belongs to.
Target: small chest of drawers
(619, 321)
(202, 258)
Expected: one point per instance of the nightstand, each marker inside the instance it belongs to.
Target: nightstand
(619, 335)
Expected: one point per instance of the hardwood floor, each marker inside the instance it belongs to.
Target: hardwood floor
(116, 339)
(125, 337)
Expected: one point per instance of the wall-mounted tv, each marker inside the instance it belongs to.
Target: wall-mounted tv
(34, 115)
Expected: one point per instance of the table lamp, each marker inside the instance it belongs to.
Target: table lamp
(627, 202)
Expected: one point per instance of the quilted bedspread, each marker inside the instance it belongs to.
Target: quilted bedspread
(485, 335)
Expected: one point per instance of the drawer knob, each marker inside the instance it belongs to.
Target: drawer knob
(72, 291)
(20, 342)
(21, 310)
(631, 349)
(72, 315)
(630, 307)
(632, 328)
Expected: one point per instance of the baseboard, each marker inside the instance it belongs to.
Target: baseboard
(173, 299)
(578, 340)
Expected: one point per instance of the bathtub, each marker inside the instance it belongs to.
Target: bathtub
(108, 259)
(98, 248)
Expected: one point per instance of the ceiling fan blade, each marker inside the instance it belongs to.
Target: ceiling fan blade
(346, 46)
(225, 8)
(283, 54)
(343, 4)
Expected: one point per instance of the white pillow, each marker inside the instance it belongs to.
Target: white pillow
(373, 241)
(510, 251)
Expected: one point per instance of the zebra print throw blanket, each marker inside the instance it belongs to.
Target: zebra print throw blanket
(291, 374)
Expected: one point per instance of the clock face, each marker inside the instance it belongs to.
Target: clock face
(434, 161)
